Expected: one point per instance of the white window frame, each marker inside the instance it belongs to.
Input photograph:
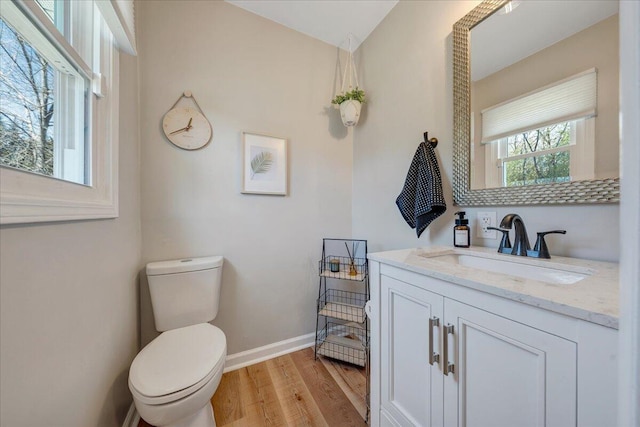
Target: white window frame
(27, 198)
(581, 154)
(573, 99)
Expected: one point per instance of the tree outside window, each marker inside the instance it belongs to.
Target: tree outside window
(26, 105)
(540, 156)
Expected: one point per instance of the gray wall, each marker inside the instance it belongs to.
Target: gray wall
(247, 74)
(68, 304)
(407, 73)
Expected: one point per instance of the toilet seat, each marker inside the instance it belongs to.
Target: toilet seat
(177, 363)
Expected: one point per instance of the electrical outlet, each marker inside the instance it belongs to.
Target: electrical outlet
(484, 220)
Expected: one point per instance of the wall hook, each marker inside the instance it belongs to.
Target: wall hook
(432, 141)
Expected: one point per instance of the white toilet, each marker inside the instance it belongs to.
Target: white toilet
(174, 377)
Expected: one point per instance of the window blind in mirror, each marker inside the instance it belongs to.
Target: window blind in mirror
(569, 99)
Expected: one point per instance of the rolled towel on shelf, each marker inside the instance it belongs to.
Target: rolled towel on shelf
(421, 200)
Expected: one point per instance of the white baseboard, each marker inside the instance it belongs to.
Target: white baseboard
(246, 358)
(133, 418)
(270, 351)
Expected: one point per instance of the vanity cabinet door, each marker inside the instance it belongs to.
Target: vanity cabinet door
(410, 387)
(506, 373)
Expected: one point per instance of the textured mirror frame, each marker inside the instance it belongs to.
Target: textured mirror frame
(587, 191)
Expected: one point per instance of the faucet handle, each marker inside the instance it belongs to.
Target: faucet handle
(540, 247)
(505, 243)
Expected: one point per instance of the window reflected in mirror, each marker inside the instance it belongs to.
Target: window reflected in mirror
(550, 154)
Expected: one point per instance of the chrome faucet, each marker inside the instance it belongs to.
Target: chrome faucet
(521, 246)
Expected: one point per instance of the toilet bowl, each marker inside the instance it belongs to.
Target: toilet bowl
(173, 378)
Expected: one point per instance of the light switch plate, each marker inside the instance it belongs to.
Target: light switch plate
(484, 220)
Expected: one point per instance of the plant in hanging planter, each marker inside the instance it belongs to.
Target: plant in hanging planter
(357, 95)
(350, 102)
(350, 105)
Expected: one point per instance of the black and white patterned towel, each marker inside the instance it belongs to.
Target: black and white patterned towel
(421, 200)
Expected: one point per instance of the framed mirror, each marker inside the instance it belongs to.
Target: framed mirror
(510, 148)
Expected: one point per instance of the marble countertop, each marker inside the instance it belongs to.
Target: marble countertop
(593, 298)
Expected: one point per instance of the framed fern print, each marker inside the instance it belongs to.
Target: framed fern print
(264, 163)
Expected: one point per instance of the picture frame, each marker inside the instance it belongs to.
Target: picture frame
(264, 164)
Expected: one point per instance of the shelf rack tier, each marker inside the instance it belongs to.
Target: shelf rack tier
(343, 305)
(347, 342)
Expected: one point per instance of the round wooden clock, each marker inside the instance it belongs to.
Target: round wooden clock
(187, 127)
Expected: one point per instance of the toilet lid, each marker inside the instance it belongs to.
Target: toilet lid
(177, 359)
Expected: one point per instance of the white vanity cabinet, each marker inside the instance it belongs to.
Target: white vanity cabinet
(410, 385)
(506, 373)
(511, 364)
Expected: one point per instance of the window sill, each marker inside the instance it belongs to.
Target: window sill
(46, 199)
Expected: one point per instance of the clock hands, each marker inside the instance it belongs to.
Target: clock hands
(184, 129)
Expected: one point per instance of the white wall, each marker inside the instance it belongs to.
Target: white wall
(68, 304)
(629, 341)
(407, 73)
(247, 74)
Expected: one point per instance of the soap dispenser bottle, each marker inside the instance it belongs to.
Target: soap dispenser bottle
(461, 232)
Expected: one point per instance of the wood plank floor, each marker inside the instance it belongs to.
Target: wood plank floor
(291, 390)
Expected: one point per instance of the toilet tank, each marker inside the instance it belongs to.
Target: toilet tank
(184, 292)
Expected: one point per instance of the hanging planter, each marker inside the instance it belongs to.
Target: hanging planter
(350, 102)
(350, 112)
(350, 105)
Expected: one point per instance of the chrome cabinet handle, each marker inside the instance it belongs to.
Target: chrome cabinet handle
(433, 357)
(447, 367)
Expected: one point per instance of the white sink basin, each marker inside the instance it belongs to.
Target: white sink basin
(554, 273)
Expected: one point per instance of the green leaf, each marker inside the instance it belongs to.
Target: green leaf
(356, 94)
(261, 163)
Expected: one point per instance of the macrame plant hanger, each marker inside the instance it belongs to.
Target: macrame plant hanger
(350, 108)
(350, 69)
